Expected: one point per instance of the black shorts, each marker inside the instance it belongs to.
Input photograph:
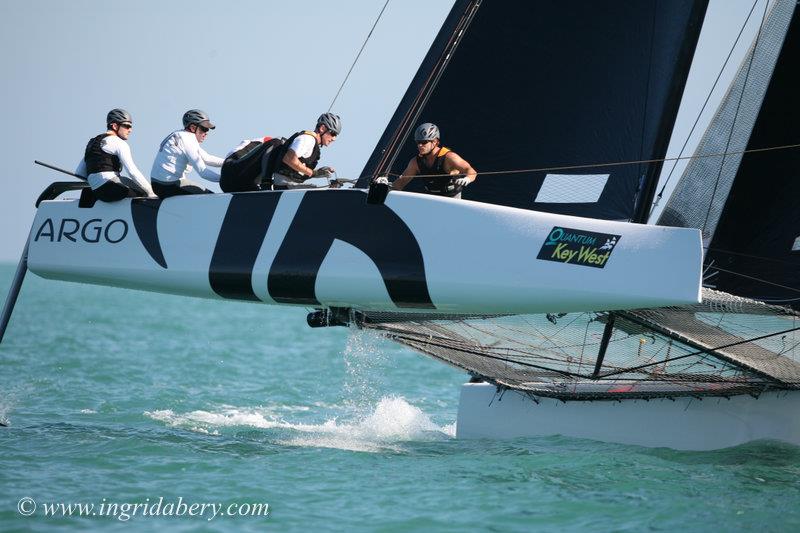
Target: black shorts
(165, 191)
(111, 191)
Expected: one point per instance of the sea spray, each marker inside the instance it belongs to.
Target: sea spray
(386, 424)
(364, 366)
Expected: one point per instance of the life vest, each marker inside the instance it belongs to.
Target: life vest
(99, 161)
(310, 161)
(250, 167)
(444, 185)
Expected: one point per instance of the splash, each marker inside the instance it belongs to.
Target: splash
(391, 422)
(364, 361)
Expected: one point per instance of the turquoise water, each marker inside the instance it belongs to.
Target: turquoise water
(123, 397)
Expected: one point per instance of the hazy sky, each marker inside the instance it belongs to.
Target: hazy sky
(257, 67)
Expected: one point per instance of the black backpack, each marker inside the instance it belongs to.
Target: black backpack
(250, 168)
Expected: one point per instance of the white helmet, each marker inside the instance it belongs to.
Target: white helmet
(426, 132)
(118, 116)
(196, 116)
(331, 121)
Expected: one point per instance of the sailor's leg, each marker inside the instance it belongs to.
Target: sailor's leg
(111, 191)
(179, 188)
(134, 187)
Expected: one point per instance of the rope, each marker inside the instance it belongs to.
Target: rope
(616, 164)
(357, 56)
(756, 279)
(751, 256)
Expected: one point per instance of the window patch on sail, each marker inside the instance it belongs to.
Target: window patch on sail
(571, 188)
(796, 245)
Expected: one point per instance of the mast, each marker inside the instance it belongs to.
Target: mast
(416, 95)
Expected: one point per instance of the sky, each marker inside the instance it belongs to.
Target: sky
(256, 67)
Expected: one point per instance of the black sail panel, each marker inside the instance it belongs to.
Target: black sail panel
(534, 85)
(756, 248)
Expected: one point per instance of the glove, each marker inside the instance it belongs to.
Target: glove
(462, 182)
(324, 172)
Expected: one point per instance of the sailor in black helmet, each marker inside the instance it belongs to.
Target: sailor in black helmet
(105, 157)
(179, 153)
(443, 171)
(301, 153)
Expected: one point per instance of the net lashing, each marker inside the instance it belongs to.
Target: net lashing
(724, 346)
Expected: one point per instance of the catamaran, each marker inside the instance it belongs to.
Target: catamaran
(588, 288)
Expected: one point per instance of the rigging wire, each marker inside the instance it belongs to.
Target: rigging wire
(795, 289)
(702, 109)
(738, 107)
(358, 56)
(751, 256)
(617, 163)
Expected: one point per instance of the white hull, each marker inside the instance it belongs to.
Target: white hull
(331, 249)
(681, 424)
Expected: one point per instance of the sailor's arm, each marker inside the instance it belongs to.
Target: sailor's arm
(210, 160)
(408, 174)
(293, 162)
(80, 170)
(456, 165)
(125, 157)
(193, 151)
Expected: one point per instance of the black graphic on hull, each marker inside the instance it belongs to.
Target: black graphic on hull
(144, 212)
(240, 239)
(376, 230)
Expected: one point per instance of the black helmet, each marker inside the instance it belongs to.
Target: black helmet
(330, 121)
(196, 116)
(118, 116)
(426, 132)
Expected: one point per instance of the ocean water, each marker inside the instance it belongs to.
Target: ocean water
(116, 398)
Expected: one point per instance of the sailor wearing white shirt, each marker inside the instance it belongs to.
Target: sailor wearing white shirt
(301, 154)
(179, 153)
(105, 157)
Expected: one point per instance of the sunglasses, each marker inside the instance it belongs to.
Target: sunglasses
(420, 143)
(202, 128)
(127, 126)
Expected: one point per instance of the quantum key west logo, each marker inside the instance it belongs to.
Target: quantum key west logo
(578, 247)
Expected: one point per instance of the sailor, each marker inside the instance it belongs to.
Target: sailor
(105, 157)
(301, 153)
(179, 153)
(443, 171)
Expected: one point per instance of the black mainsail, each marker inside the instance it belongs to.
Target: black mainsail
(518, 85)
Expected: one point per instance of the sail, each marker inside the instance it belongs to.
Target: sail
(520, 89)
(755, 251)
(704, 186)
